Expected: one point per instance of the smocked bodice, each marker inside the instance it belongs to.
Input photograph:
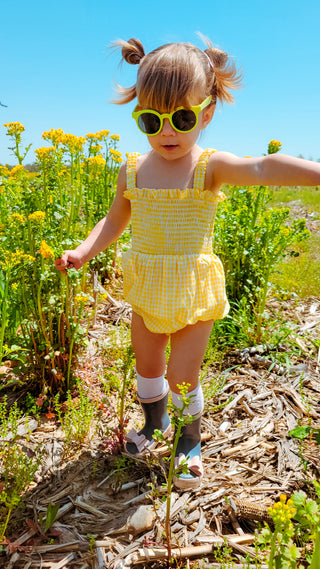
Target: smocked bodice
(171, 221)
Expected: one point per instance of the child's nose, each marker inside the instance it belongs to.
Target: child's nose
(167, 129)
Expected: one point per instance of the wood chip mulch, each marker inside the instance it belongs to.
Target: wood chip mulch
(110, 518)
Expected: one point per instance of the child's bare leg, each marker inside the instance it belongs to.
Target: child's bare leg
(188, 347)
(149, 349)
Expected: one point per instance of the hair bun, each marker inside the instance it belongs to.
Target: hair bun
(132, 51)
(218, 57)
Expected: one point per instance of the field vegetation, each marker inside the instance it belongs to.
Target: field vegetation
(268, 240)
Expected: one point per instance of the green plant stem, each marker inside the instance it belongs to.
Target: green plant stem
(169, 487)
(261, 305)
(69, 363)
(46, 337)
(272, 549)
(5, 525)
(4, 311)
(122, 402)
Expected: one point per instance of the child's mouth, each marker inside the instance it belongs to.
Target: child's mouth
(170, 146)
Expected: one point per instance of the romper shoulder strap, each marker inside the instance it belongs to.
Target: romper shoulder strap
(200, 171)
(131, 170)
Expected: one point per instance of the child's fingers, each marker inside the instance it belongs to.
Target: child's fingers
(63, 263)
(67, 261)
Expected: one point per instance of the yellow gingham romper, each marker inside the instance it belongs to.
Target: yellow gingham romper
(171, 276)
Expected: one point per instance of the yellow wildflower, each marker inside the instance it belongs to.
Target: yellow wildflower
(282, 512)
(16, 171)
(115, 155)
(4, 171)
(114, 137)
(74, 143)
(37, 216)
(45, 251)
(17, 217)
(102, 134)
(14, 258)
(44, 152)
(95, 148)
(274, 146)
(91, 136)
(55, 135)
(96, 160)
(81, 298)
(14, 128)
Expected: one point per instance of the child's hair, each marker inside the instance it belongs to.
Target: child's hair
(178, 74)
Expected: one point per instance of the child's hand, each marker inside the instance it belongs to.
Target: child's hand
(69, 260)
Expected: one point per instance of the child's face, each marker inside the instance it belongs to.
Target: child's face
(171, 144)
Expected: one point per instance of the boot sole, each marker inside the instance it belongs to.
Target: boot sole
(187, 484)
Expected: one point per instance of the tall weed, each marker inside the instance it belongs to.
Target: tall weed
(41, 214)
(251, 238)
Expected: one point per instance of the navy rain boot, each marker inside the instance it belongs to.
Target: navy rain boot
(189, 451)
(156, 417)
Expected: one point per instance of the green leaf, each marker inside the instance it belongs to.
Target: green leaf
(300, 432)
(315, 559)
(52, 511)
(316, 487)
(312, 508)
(299, 498)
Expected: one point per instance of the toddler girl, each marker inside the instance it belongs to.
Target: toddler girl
(172, 279)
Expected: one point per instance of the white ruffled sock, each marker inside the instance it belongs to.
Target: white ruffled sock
(149, 387)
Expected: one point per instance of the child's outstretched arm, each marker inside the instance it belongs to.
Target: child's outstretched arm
(104, 233)
(271, 170)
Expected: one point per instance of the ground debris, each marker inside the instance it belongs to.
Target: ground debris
(249, 460)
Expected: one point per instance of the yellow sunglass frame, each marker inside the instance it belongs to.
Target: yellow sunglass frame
(161, 116)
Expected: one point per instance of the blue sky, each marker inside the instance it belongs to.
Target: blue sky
(57, 70)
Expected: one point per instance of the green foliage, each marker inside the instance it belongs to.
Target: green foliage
(223, 554)
(308, 516)
(283, 553)
(251, 238)
(304, 431)
(42, 214)
(18, 464)
(296, 520)
(77, 416)
(290, 274)
(48, 520)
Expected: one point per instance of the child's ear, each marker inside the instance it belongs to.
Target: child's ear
(207, 116)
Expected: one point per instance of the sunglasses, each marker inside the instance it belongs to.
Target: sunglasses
(183, 120)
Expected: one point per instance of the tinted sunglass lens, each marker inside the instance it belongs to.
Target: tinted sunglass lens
(184, 120)
(149, 123)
